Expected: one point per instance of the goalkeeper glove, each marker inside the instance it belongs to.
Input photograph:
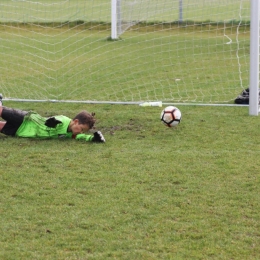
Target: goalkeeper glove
(98, 137)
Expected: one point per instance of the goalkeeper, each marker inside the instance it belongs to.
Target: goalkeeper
(30, 124)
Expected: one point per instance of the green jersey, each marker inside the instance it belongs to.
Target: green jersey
(33, 126)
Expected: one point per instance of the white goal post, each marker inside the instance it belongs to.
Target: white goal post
(130, 51)
(254, 58)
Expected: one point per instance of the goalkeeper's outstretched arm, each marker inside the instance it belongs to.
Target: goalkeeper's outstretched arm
(97, 137)
(30, 124)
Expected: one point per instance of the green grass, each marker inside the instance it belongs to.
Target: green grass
(149, 192)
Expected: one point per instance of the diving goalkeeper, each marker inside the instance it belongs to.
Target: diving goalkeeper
(30, 124)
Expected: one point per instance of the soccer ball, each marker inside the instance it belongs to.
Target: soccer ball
(171, 116)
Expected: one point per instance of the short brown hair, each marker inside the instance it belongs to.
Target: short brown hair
(86, 118)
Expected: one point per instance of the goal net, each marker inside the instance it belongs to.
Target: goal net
(176, 51)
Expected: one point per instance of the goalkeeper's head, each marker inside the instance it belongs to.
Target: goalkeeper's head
(82, 122)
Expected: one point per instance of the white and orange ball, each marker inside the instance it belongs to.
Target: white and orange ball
(171, 116)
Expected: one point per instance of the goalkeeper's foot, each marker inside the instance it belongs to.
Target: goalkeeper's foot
(1, 99)
(98, 137)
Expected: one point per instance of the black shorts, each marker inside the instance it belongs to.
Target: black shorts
(13, 118)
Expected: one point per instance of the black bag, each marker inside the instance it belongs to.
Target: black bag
(243, 98)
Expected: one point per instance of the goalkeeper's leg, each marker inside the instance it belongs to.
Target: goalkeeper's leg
(13, 117)
(2, 124)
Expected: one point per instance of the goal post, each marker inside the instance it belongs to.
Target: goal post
(119, 25)
(115, 19)
(254, 58)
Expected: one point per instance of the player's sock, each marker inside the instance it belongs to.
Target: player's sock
(1, 99)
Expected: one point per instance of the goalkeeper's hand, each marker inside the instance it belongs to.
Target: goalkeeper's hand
(98, 137)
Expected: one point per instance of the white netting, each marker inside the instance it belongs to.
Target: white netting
(176, 51)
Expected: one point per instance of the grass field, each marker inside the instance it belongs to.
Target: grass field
(149, 192)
